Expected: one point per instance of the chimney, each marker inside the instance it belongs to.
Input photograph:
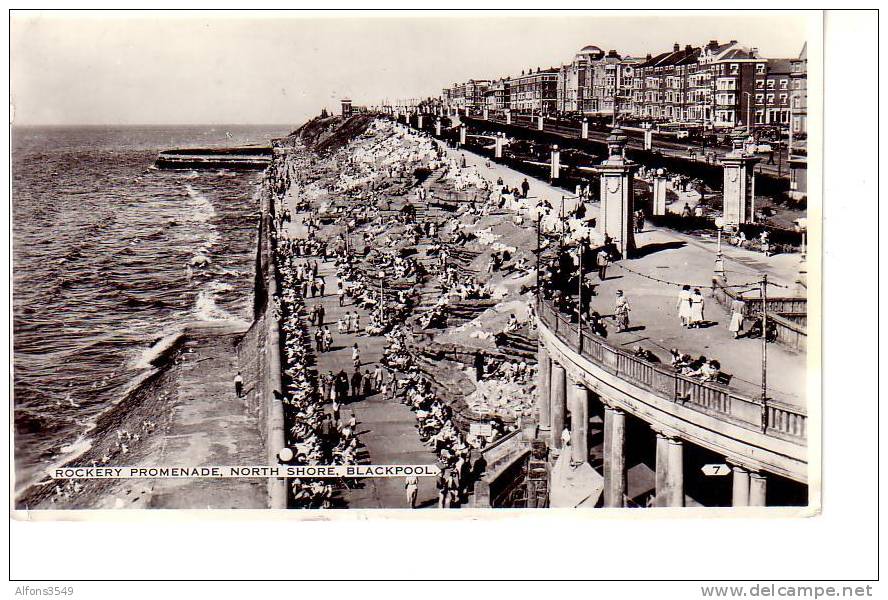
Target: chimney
(675, 47)
(712, 44)
(649, 56)
(688, 48)
(733, 41)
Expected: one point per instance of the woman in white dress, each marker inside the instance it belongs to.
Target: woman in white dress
(696, 308)
(684, 305)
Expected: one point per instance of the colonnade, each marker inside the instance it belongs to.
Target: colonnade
(559, 393)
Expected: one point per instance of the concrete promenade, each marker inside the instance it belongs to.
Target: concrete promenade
(675, 257)
(385, 428)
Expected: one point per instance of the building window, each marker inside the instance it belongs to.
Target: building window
(760, 68)
(770, 98)
(735, 68)
(759, 98)
(760, 84)
(771, 84)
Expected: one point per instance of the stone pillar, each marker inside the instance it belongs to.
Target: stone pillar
(740, 486)
(758, 488)
(508, 117)
(670, 471)
(462, 135)
(498, 146)
(555, 164)
(579, 423)
(438, 127)
(540, 122)
(659, 193)
(485, 114)
(419, 121)
(648, 139)
(584, 131)
(616, 215)
(737, 176)
(614, 457)
(557, 403)
(544, 388)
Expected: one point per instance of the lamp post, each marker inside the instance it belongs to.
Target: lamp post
(719, 260)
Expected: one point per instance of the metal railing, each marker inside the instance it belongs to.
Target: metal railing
(777, 419)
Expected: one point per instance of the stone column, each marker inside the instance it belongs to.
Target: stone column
(740, 486)
(584, 131)
(758, 487)
(670, 471)
(544, 389)
(485, 113)
(659, 193)
(462, 135)
(438, 128)
(498, 146)
(555, 165)
(508, 117)
(614, 457)
(540, 122)
(616, 215)
(579, 423)
(557, 403)
(737, 174)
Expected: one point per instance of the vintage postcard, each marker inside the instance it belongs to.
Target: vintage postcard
(313, 263)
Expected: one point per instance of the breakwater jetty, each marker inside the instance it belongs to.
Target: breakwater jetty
(244, 158)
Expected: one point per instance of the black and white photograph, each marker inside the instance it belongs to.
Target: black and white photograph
(281, 263)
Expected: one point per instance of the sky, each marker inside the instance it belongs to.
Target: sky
(261, 68)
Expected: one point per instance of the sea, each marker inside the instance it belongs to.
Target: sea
(111, 258)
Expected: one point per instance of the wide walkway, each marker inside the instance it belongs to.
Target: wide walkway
(673, 257)
(386, 429)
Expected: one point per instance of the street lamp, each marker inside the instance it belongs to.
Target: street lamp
(719, 261)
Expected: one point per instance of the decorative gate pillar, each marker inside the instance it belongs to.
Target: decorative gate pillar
(540, 122)
(485, 113)
(584, 132)
(555, 164)
(498, 146)
(615, 217)
(462, 135)
(738, 174)
(508, 117)
(659, 193)
(437, 127)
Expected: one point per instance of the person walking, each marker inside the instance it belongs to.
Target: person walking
(356, 355)
(411, 484)
(327, 339)
(736, 324)
(696, 318)
(621, 311)
(320, 314)
(356, 384)
(340, 292)
(525, 187)
(684, 305)
(319, 340)
(601, 261)
(239, 385)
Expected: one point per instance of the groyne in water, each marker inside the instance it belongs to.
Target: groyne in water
(246, 158)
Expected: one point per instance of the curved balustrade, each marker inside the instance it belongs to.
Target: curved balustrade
(775, 418)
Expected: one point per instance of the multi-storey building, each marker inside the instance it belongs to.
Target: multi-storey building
(498, 95)
(799, 92)
(772, 92)
(733, 72)
(474, 93)
(661, 85)
(535, 92)
(575, 81)
(605, 83)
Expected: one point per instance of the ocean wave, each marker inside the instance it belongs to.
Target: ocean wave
(202, 209)
(206, 309)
